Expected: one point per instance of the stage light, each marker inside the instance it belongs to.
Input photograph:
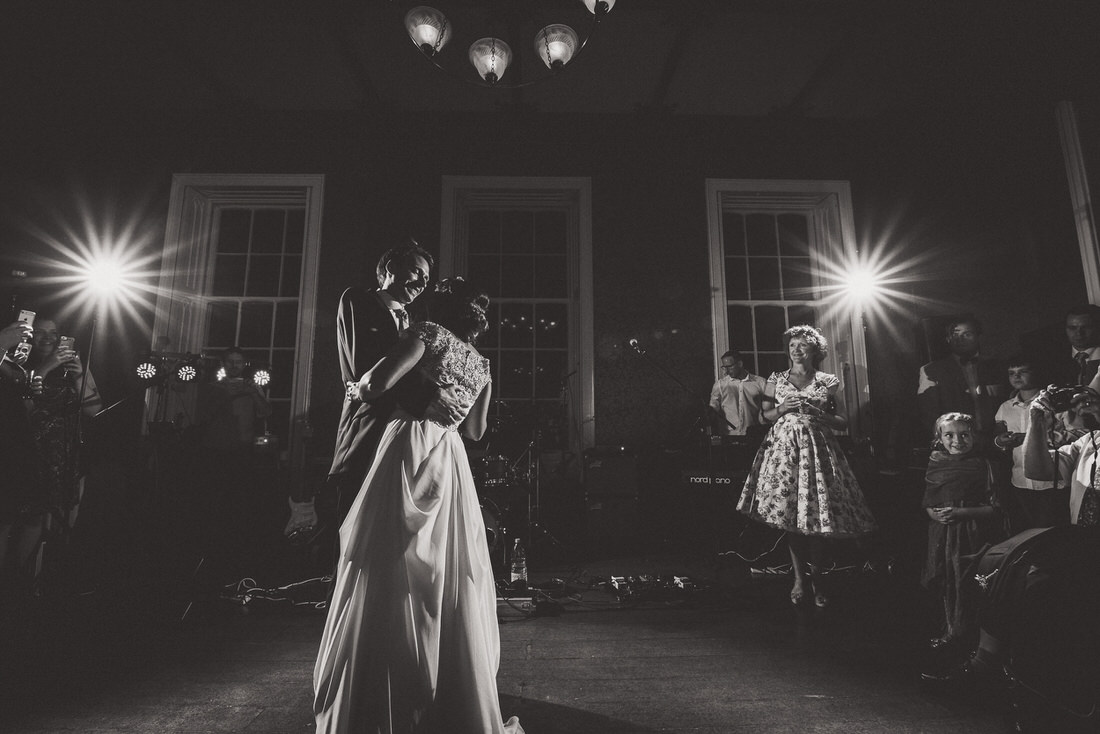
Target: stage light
(863, 284)
(149, 368)
(188, 369)
(261, 376)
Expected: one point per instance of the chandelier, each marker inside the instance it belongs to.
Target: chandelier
(491, 23)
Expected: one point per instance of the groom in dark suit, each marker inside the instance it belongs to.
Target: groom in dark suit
(369, 322)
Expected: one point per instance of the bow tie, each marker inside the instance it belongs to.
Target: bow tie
(1081, 357)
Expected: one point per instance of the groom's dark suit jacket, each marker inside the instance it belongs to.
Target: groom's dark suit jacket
(365, 331)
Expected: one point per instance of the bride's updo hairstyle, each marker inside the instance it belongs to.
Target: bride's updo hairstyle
(460, 308)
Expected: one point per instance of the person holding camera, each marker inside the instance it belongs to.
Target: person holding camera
(1075, 463)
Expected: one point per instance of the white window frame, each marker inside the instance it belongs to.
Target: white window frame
(179, 323)
(829, 207)
(521, 191)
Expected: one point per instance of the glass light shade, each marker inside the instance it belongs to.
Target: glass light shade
(555, 45)
(591, 5)
(428, 29)
(490, 56)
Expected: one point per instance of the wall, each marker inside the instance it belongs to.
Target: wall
(976, 209)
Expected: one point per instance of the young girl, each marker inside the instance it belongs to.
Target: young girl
(961, 504)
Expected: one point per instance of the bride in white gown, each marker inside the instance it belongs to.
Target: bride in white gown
(411, 642)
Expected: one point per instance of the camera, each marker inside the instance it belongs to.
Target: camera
(1061, 398)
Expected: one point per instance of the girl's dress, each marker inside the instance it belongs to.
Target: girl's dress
(411, 642)
(964, 480)
(800, 480)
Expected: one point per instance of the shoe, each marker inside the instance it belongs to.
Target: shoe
(798, 595)
(940, 643)
(967, 674)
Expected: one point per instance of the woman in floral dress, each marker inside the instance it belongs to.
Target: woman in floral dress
(800, 481)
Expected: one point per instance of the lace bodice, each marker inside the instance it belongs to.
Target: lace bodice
(448, 360)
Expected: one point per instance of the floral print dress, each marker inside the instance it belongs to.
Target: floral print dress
(800, 480)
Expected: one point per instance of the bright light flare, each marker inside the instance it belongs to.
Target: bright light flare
(261, 377)
(863, 284)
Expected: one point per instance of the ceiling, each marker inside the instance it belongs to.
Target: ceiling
(834, 59)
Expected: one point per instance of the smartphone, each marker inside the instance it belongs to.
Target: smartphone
(67, 341)
(23, 348)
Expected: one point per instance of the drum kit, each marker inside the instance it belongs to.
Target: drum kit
(506, 476)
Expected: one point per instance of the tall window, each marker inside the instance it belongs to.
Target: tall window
(522, 257)
(769, 283)
(240, 268)
(771, 244)
(527, 241)
(253, 299)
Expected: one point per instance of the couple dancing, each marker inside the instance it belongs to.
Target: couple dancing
(411, 642)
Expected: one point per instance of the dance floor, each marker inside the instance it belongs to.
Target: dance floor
(729, 655)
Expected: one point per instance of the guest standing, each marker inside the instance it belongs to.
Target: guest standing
(800, 481)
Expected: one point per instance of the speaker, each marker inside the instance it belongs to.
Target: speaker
(610, 471)
(612, 522)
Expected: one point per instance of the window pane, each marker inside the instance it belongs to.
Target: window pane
(764, 278)
(551, 329)
(279, 423)
(733, 233)
(770, 363)
(517, 232)
(550, 233)
(286, 324)
(794, 236)
(739, 320)
(517, 276)
(282, 373)
(233, 229)
(550, 371)
(292, 276)
(551, 277)
(295, 230)
(255, 324)
(737, 283)
(760, 234)
(484, 271)
(228, 275)
(267, 230)
(491, 338)
(515, 325)
(263, 275)
(484, 231)
(771, 322)
(222, 333)
(797, 283)
(801, 315)
(515, 375)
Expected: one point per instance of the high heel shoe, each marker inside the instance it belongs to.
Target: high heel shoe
(798, 595)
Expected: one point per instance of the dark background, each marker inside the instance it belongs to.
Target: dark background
(943, 120)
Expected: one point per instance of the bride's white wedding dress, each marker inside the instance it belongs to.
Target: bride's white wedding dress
(411, 642)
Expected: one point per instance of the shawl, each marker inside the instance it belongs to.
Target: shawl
(956, 480)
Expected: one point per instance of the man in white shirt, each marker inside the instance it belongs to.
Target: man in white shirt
(736, 396)
(1074, 464)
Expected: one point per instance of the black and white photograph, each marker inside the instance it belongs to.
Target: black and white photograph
(550, 367)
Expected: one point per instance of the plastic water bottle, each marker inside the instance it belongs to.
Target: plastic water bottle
(519, 566)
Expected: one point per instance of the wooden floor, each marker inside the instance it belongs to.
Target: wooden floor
(731, 655)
